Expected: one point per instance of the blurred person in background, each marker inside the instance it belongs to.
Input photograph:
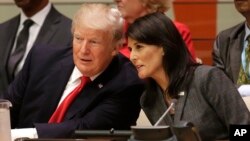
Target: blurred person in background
(231, 51)
(42, 23)
(133, 9)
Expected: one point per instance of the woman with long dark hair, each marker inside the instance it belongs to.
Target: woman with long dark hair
(205, 96)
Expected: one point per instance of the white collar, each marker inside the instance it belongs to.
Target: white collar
(39, 17)
(247, 30)
(76, 74)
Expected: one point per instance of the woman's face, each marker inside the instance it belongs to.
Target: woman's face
(131, 9)
(146, 58)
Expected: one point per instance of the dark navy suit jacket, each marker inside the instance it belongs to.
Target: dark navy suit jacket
(110, 101)
(56, 30)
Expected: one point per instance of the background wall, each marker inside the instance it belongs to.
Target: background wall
(68, 7)
(205, 18)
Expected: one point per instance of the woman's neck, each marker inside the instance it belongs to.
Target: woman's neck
(162, 80)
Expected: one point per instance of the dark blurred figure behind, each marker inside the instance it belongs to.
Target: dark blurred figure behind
(49, 27)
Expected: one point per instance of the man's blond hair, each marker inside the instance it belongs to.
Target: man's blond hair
(101, 17)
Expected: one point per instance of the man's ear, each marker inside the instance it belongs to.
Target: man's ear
(118, 45)
(116, 49)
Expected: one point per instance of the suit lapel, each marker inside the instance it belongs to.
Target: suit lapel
(56, 84)
(236, 46)
(84, 100)
(179, 106)
(90, 93)
(49, 27)
(156, 108)
(10, 38)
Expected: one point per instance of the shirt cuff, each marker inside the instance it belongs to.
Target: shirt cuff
(24, 132)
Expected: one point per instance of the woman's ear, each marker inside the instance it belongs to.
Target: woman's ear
(162, 51)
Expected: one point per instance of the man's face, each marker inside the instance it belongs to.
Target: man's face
(28, 3)
(22, 3)
(243, 6)
(93, 50)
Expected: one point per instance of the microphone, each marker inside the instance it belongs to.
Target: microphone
(166, 112)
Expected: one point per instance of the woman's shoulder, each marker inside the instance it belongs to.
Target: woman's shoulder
(206, 69)
(204, 72)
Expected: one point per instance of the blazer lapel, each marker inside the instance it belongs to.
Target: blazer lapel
(156, 108)
(179, 106)
(10, 38)
(56, 85)
(236, 46)
(49, 27)
(84, 100)
(90, 93)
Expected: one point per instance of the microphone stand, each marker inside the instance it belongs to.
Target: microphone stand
(165, 113)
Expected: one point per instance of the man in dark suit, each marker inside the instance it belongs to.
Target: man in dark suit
(49, 27)
(110, 100)
(229, 51)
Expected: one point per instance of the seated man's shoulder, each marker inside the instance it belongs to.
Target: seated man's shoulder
(4, 26)
(127, 71)
(232, 31)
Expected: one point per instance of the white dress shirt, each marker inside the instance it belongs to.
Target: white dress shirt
(74, 81)
(38, 20)
(244, 90)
